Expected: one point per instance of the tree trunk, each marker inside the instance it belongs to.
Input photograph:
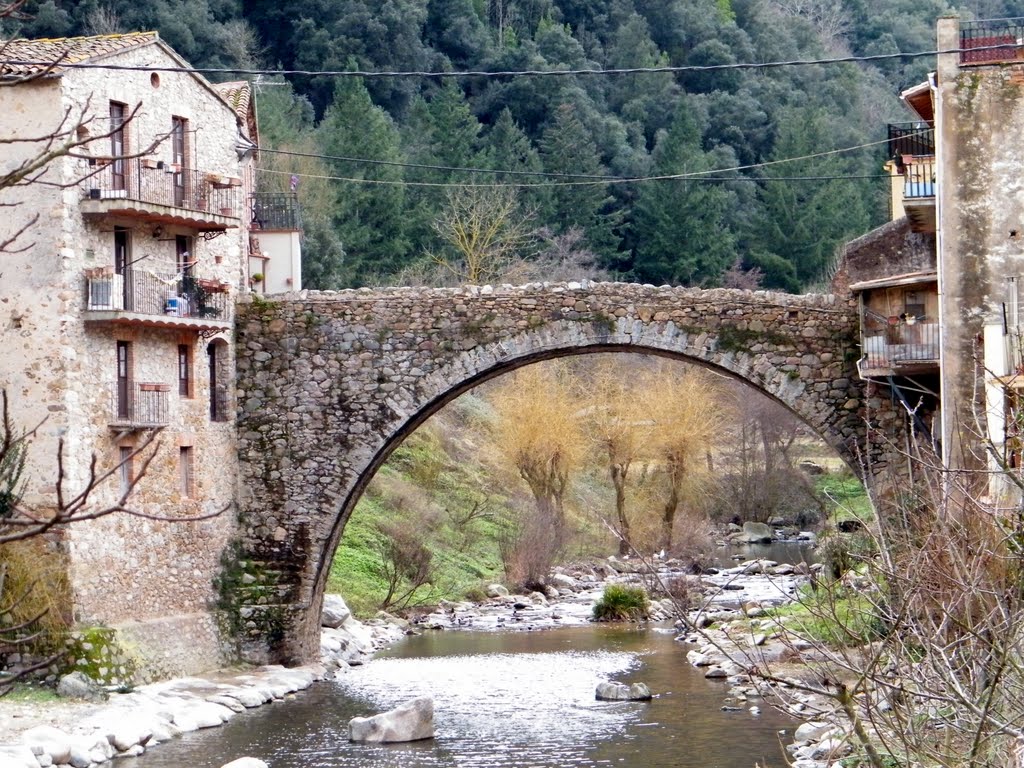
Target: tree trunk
(618, 473)
(676, 473)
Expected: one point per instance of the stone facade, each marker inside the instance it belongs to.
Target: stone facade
(330, 383)
(149, 579)
(979, 111)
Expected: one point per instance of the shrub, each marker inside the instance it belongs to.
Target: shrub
(530, 542)
(621, 603)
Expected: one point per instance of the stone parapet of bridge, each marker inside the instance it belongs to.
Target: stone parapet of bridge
(330, 383)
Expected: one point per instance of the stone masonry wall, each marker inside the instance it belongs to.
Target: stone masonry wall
(329, 383)
(150, 579)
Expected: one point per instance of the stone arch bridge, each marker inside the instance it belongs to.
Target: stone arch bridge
(330, 383)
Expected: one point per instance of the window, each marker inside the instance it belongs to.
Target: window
(118, 112)
(124, 376)
(179, 159)
(124, 471)
(122, 263)
(184, 370)
(183, 248)
(185, 472)
(914, 304)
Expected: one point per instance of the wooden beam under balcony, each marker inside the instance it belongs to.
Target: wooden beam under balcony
(201, 221)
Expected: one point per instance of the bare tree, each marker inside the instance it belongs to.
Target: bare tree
(618, 420)
(690, 416)
(486, 231)
(538, 433)
(20, 523)
(27, 160)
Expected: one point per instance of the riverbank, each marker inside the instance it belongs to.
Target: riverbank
(178, 705)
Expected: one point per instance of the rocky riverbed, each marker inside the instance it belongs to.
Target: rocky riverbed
(731, 600)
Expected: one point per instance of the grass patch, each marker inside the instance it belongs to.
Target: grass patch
(26, 693)
(846, 495)
(429, 487)
(620, 602)
(832, 616)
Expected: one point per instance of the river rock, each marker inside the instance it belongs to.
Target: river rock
(18, 757)
(411, 721)
(811, 731)
(496, 590)
(246, 762)
(47, 740)
(335, 611)
(607, 691)
(564, 583)
(756, 533)
(77, 685)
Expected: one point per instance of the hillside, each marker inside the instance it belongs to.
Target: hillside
(380, 156)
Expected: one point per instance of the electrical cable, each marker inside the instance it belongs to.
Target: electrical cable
(683, 68)
(695, 175)
(496, 171)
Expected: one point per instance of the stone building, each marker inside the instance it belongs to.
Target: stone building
(954, 255)
(117, 308)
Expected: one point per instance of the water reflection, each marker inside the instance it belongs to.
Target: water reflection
(503, 700)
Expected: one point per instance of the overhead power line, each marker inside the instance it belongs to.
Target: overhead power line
(596, 178)
(59, 64)
(590, 182)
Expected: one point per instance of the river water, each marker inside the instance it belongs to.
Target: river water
(513, 700)
(505, 699)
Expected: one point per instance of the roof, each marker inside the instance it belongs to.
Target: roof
(45, 54)
(911, 278)
(237, 93)
(919, 99)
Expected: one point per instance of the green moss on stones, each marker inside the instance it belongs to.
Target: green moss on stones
(96, 652)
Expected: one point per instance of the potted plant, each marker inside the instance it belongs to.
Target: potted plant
(256, 277)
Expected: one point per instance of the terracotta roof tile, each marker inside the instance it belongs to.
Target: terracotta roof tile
(70, 50)
(237, 93)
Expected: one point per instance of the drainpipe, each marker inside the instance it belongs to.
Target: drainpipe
(947, 38)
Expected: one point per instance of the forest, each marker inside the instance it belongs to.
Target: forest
(772, 168)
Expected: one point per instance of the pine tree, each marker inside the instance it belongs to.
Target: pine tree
(368, 216)
(680, 227)
(568, 147)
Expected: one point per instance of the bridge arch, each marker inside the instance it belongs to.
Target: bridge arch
(329, 384)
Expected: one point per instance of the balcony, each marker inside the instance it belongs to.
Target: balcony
(144, 298)
(276, 211)
(912, 151)
(152, 191)
(999, 41)
(139, 406)
(897, 345)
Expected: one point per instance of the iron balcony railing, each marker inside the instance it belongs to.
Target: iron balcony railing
(139, 405)
(156, 182)
(276, 210)
(151, 293)
(919, 178)
(910, 139)
(991, 41)
(892, 342)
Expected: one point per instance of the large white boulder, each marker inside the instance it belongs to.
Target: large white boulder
(18, 757)
(335, 611)
(411, 721)
(246, 762)
(47, 740)
(621, 692)
(756, 533)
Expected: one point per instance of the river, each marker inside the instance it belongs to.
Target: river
(512, 700)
